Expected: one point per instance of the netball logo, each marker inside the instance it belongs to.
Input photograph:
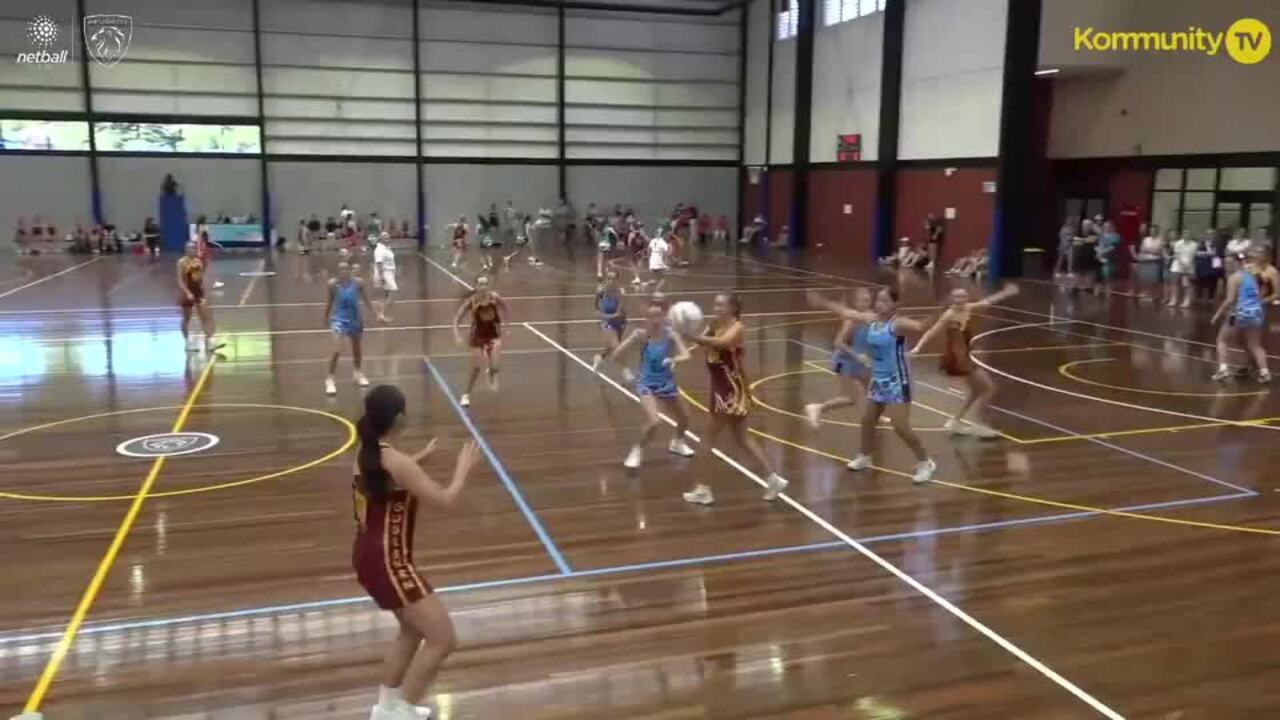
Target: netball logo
(50, 45)
(167, 444)
(107, 37)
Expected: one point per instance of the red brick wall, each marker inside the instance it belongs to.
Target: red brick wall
(845, 236)
(930, 190)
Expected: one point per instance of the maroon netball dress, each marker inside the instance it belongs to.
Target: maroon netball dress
(382, 553)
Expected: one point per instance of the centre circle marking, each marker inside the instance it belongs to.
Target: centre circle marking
(342, 448)
(1065, 371)
(167, 444)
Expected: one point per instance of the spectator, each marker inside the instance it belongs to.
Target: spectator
(170, 185)
(972, 265)
(80, 240)
(151, 236)
(1063, 263)
(1209, 264)
(1148, 263)
(784, 237)
(1108, 243)
(934, 231)
(1182, 268)
(21, 239)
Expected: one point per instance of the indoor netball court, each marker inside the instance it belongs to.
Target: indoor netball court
(177, 511)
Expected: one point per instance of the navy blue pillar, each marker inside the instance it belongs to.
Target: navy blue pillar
(890, 114)
(1014, 222)
(799, 220)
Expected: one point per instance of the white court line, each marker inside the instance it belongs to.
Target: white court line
(870, 555)
(253, 283)
(1125, 330)
(1118, 403)
(863, 283)
(399, 301)
(393, 328)
(47, 278)
(446, 271)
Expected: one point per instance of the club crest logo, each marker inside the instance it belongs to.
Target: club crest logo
(107, 37)
(167, 444)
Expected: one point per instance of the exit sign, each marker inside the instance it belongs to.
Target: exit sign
(849, 147)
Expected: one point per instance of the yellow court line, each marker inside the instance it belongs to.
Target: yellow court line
(1065, 371)
(346, 445)
(100, 575)
(1012, 496)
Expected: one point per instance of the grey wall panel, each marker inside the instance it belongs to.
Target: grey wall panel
(232, 14)
(653, 33)
(454, 190)
(481, 149)
(384, 19)
(338, 109)
(166, 104)
(56, 188)
(653, 191)
(339, 146)
(299, 189)
(341, 83)
(328, 51)
(755, 122)
(443, 111)
(495, 24)
(131, 186)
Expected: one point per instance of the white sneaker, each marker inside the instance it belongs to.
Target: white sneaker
(465, 400)
(193, 345)
(595, 363)
(956, 427)
(360, 379)
(218, 285)
(627, 375)
(924, 472)
(1264, 376)
(680, 447)
(777, 484)
(862, 462)
(330, 387)
(985, 432)
(400, 710)
(813, 413)
(700, 495)
(634, 458)
(1221, 375)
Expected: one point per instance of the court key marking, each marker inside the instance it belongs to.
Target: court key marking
(346, 445)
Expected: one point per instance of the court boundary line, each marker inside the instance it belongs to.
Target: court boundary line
(47, 278)
(110, 626)
(398, 301)
(446, 271)
(503, 476)
(866, 552)
(54, 664)
(1065, 371)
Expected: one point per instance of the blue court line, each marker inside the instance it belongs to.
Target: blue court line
(1097, 441)
(499, 468)
(314, 605)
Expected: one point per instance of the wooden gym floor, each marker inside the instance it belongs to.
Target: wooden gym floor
(1115, 555)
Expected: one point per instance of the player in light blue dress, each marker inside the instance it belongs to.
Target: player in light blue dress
(889, 391)
(848, 361)
(660, 351)
(1249, 290)
(342, 309)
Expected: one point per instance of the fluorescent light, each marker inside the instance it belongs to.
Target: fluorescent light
(1049, 71)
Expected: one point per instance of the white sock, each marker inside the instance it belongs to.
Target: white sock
(1222, 367)
(389, 695)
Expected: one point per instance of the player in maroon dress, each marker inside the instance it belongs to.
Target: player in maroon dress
(386, 490)
(730, 395)
(956, 360)
(487, 310)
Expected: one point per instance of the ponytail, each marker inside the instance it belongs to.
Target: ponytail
(382, 406)
(369, 460)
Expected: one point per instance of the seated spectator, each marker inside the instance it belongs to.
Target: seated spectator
(753, 231)
(331, 226)
(80, 240)
(170, 185)
(151, 236)
(902, 257)
(784, 237)
(972, 265)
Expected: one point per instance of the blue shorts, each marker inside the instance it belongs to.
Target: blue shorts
(1245, 321)
(846, 365)
(615, 326)
(665, 390)
(889, 391)
(346, 328)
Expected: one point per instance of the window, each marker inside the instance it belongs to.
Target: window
(788, 23)
(186, 137)
(838, 11)
(44, 135)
